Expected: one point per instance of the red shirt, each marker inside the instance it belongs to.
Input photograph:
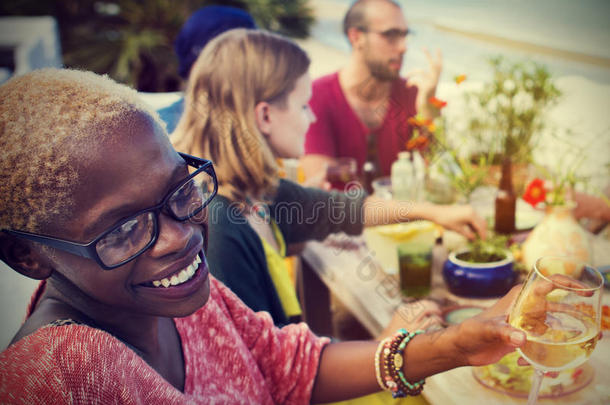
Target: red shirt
(231, 354)
(338, 132)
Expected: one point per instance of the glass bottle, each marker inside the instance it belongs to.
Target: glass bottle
(403, 177)
(439, 256)
(369, 173)
(419, 168)
(506, 201)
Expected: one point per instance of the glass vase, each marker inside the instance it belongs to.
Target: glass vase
(557, 234)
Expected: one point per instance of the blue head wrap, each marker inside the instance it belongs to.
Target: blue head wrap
(205, 24)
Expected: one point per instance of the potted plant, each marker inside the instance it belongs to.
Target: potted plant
(485, 268)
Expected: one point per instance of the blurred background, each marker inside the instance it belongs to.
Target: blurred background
(132, 41)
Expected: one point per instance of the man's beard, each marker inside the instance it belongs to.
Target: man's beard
(380, 71)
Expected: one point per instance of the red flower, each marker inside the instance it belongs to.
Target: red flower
(535, 192)
(459, 78)
(438, 103)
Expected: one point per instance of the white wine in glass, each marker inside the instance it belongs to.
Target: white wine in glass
(559, 309)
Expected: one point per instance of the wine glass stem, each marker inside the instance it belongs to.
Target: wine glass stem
(536, 382)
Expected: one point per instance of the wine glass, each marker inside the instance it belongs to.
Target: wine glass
(342, 171)
(559, 311)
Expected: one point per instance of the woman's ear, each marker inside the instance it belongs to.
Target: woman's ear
(20, 255)
(262, 115)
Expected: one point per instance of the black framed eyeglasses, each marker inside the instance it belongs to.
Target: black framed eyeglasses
(132, 236)
(392, 35)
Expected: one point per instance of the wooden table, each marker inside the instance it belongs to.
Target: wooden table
(345, 266)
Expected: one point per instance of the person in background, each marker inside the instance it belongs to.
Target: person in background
(363, 110)
(594, 209)
(98, 205)
(247, 106)
(197, 31)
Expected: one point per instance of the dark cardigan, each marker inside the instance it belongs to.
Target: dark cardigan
(235, 251)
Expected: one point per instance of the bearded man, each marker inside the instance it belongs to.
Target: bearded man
(363, 110)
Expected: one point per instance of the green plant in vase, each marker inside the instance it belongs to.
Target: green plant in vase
(461, 174)
(489, 250)
(450, 176)
(503, 117)
(511, 109)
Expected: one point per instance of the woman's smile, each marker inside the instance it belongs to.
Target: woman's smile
(180, 283)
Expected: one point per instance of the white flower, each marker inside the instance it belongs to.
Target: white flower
(492, 106)
(522, 102)
(509, 85)
(502, 100)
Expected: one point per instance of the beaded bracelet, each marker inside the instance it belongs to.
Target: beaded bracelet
(377, 366)
(411, 389)
(393, 362)
(388, 355)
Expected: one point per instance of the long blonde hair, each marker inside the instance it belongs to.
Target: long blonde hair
(235, 72)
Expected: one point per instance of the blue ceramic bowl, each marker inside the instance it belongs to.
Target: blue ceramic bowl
(479, 280)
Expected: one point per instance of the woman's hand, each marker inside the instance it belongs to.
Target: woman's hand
(487, 337)
(418, 315)
(462, 219)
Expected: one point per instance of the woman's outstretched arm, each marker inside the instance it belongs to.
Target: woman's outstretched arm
(459, 218)
(348, 369)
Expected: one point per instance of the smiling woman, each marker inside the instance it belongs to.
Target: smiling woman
(137, 318)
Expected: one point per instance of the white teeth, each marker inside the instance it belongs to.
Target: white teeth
(183, 276)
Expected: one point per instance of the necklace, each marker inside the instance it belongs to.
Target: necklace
(259, 208)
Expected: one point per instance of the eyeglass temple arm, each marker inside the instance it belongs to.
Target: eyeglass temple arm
(70, 247)
(194, 161)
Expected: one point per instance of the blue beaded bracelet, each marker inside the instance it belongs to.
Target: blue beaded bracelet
(394, 360)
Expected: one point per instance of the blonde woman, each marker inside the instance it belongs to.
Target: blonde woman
(246, 106)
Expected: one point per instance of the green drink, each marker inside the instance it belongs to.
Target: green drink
(414, 263)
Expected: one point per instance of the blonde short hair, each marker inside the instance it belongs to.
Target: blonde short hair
(50, 119)
(235, 72)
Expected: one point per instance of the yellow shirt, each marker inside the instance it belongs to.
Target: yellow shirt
(280, 275)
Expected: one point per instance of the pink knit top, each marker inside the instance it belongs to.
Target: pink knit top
(232, 356)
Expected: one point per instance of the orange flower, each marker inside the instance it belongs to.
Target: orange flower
(438, 103)
(417, 142)
(415, 122)
(419, 122)
(459, 78)
(535, 192)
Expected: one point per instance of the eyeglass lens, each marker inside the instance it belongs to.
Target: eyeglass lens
(394, 35)
(133, 236)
